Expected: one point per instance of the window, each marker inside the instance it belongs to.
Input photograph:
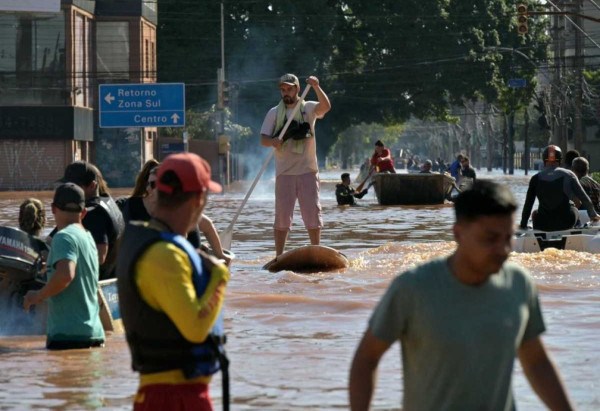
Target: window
(112, 48)
(32, 59)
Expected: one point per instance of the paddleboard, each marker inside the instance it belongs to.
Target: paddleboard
(308, 259)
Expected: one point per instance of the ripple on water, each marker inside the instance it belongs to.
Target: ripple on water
(292, 337)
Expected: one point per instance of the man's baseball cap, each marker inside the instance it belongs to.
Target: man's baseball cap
(80, 173)
(192, 171)
(290, 79)
(69, 197)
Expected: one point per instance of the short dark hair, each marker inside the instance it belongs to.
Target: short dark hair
(580, 166)
(79, 172)
(345, 175)
(570, 156)
(484, 198)
(178, 196)
(379, 143)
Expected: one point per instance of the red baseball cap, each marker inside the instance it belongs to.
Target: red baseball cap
(192, 171)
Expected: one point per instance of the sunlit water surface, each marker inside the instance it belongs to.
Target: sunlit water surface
(291, 337)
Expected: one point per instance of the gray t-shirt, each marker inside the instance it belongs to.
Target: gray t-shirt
(458, 341)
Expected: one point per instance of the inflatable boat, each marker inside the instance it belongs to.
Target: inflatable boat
(586, 239)
(21, 262)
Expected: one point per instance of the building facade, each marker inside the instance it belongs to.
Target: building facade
(53, 56)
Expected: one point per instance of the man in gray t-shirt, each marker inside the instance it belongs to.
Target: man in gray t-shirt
(462, 320)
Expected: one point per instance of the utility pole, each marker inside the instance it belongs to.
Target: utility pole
(222, 102)
(223, 38)
(578, 63)
(558, 121)
(511, 142)
(526, 155)
(221, 81)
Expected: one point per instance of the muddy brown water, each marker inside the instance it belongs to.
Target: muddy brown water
(291, 337)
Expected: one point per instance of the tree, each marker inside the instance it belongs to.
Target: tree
(380, 62)
(356, 143)
(201, 125)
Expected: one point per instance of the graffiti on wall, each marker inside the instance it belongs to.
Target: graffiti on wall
(27, 165)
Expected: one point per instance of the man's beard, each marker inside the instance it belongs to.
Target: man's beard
(289, 99)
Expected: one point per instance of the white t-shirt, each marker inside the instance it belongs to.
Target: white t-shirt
(288, 162)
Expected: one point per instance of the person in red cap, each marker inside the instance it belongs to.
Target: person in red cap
(171, 295)
(297, 171)
(555, 188)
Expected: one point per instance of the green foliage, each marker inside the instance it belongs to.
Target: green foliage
(379, 62)
(199, 125)
(203, 125)
(591, 111)
(356, 143)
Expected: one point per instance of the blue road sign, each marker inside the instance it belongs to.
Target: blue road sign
(142, 105)
(517, 83)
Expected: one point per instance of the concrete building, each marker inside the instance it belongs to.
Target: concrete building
(53, 55)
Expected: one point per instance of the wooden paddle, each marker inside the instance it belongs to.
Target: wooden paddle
(361, 185)
(227, 235)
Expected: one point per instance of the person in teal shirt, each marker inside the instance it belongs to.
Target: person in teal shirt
(72, 287)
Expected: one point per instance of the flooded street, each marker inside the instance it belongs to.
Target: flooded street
(291, 337)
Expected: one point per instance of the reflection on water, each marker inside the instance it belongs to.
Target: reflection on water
(291, 336)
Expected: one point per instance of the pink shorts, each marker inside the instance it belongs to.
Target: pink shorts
(173, 397)
(304, 188)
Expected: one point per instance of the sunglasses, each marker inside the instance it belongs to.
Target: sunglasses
(151, 184)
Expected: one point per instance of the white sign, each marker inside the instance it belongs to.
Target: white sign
(38, 6)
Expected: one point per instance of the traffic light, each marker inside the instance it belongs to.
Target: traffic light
(225, 92)
(223, 100)
(522, 17)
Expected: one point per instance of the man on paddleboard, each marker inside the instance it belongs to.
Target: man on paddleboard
(462, 319)
(297, 171)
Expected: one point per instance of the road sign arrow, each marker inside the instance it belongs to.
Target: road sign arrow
(141, 105)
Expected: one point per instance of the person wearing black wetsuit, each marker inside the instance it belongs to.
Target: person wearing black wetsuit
(555, 188)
